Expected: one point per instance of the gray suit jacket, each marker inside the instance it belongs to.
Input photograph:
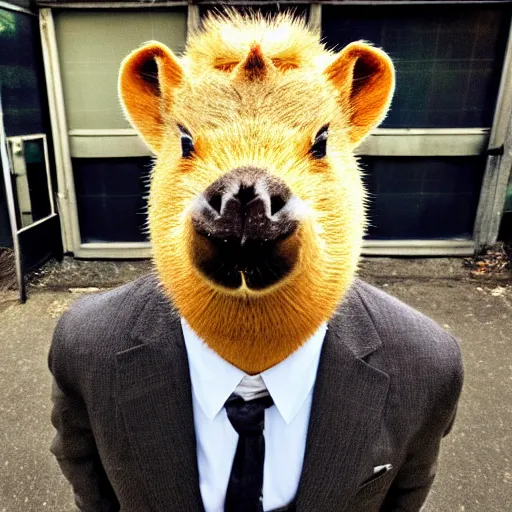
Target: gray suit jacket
(386, 393)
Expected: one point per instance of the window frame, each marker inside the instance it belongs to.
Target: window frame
(32, 137)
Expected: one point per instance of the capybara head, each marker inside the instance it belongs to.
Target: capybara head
(256, 208)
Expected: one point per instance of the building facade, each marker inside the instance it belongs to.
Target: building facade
(436, 170)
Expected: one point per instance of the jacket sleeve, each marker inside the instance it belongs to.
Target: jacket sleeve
(74, 446)
(414, 480)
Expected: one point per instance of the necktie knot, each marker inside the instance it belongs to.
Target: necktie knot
(248, 418)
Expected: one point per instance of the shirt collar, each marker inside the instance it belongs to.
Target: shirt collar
(288, 383)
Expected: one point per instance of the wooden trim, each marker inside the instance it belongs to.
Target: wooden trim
(499, 161)
(66, 199)
(16, 8)
(146, 4)
(383, 142)
(114, 250)
(418, 248)
(111, 5)
(193, 19)
(315, 19)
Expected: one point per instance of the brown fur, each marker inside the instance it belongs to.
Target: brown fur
(254, 92)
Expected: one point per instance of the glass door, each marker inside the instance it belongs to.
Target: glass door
(33, 222)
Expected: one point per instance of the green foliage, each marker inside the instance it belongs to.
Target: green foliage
(508, 200)
(7, 23)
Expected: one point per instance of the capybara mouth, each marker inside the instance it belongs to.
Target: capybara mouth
(257, 264)
(245, 227)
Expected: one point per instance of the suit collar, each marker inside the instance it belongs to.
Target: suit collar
(157, 314)
(354, 322)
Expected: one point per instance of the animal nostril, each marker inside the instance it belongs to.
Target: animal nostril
(245, 195)
(216, 202)
(276, 203)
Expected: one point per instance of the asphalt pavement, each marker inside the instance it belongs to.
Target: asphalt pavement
(475, 467)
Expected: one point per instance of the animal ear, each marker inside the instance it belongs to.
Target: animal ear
(148, 79)
(365, 79)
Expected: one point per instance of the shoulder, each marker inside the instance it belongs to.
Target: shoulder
(401, 326)
(109, 312)
(423, 360)
(412, 343)
(100, 325)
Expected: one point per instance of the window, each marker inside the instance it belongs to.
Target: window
(448, 58)
(92, 46)
(110, 163)
(424, 166)
(111, 197)
(427, 198)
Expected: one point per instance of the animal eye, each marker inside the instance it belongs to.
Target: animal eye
(187, 143)
(319, 148)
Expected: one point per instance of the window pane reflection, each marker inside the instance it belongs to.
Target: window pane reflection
(92, 45)
(20, 65)
(422, 198)
(30, 180)
(111, 196)
(448, 58)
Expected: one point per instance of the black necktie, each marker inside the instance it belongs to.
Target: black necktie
(245, 487)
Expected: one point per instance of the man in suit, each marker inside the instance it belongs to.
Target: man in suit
(385, 394)
(252, 371)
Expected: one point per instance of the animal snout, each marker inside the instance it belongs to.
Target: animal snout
(245, 205)
(243, 223)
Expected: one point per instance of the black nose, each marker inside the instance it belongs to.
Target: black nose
(244, 217)
(245, 205)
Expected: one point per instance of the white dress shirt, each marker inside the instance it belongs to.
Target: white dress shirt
(289, 383)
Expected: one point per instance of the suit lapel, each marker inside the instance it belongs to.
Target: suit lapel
(154, 393)
(348, 403)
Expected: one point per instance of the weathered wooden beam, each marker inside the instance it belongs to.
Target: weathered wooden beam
(169, 3)
(499, 162)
